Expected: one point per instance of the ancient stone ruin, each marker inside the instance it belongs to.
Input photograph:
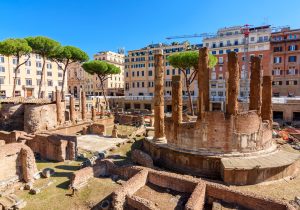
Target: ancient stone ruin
(234, 146)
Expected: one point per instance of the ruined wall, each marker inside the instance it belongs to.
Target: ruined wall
(125, 119)
(10, 137)
(54, 146)
(11, 117)
(39, 117)
(16, 161)
(101, 126)
(216, 133)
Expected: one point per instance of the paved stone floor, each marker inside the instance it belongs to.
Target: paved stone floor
(97, 143)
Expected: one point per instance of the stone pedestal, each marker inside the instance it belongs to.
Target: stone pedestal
(159, 123)
(232, 84)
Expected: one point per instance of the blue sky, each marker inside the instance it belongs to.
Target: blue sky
(98, 25)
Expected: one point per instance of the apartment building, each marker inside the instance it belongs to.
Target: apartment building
(29, 76)
(139, 69)
(78, 79)
(233, 39)
(114, 86)
(285, 62)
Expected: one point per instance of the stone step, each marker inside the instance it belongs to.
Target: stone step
(275, 159)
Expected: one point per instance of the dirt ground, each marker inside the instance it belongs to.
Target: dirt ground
(162, 197)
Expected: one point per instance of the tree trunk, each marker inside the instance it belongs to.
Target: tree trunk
(103, 92)
(15, 79)
(42, 77)
(63, 81)
(190, 98)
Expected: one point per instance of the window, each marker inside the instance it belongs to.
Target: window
(18, 81)
(60, 74)
(38, 81)
(28, 82)
(221, 60)
(2, 69)
(221, 52)
(168, 71)
(293, 47)
(137, 73)
(292, 58)
(213, 75)
(60, 83)
(252, 39)
(173, 71)
(236, 42)
(49, 73)
(228, 51)
(37, 56)
(49, 66)
(15, 61)
(2, 80)
(221, 44)
(220, 93)
(228, 43)
(214, 52)
(38, 72)
(28, 63)
(38, 64)
(133, 85)
(260, 39)
(132, 74)
(1, 59)
(277, 49)
(214, 45)
(277, 60)
(27, 71)
(126, 74)
(50, 83)
(213, 85)
(213, 93)
(236, 50)
(149, 73)
(143, 73)
(266, 38)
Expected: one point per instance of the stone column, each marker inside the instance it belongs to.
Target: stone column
(72, 109)
(83, 105)
(176, 104)
(159, 121)
(59, 109)
(266, 108)
(176, 99)
(255, 85)
(93, 114)
(232, 84)
(203, 82)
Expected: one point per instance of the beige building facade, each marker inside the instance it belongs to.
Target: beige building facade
(29, 76)
(139, 69)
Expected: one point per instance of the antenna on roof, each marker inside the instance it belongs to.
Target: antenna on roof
(121, 50)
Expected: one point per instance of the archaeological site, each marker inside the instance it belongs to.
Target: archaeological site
(86, 153)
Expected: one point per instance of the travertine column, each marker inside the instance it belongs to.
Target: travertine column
(203, 82)
(93, 114)
(72, 109)
(159, 121)
(266, 108)
(176, 99)
(232, 84)
(83, 105)
(176, 104)
(255, 85)
(59, 110)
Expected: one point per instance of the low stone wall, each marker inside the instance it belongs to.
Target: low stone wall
(10, 137)
(71, 129)
(81, 177)
(247, 200)
(16, 159)
(184, 161)
(101, 126)
(126, 119)
(39, 117)
(54, 146)
(201, 192)
(11, 117)
(141, 158)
